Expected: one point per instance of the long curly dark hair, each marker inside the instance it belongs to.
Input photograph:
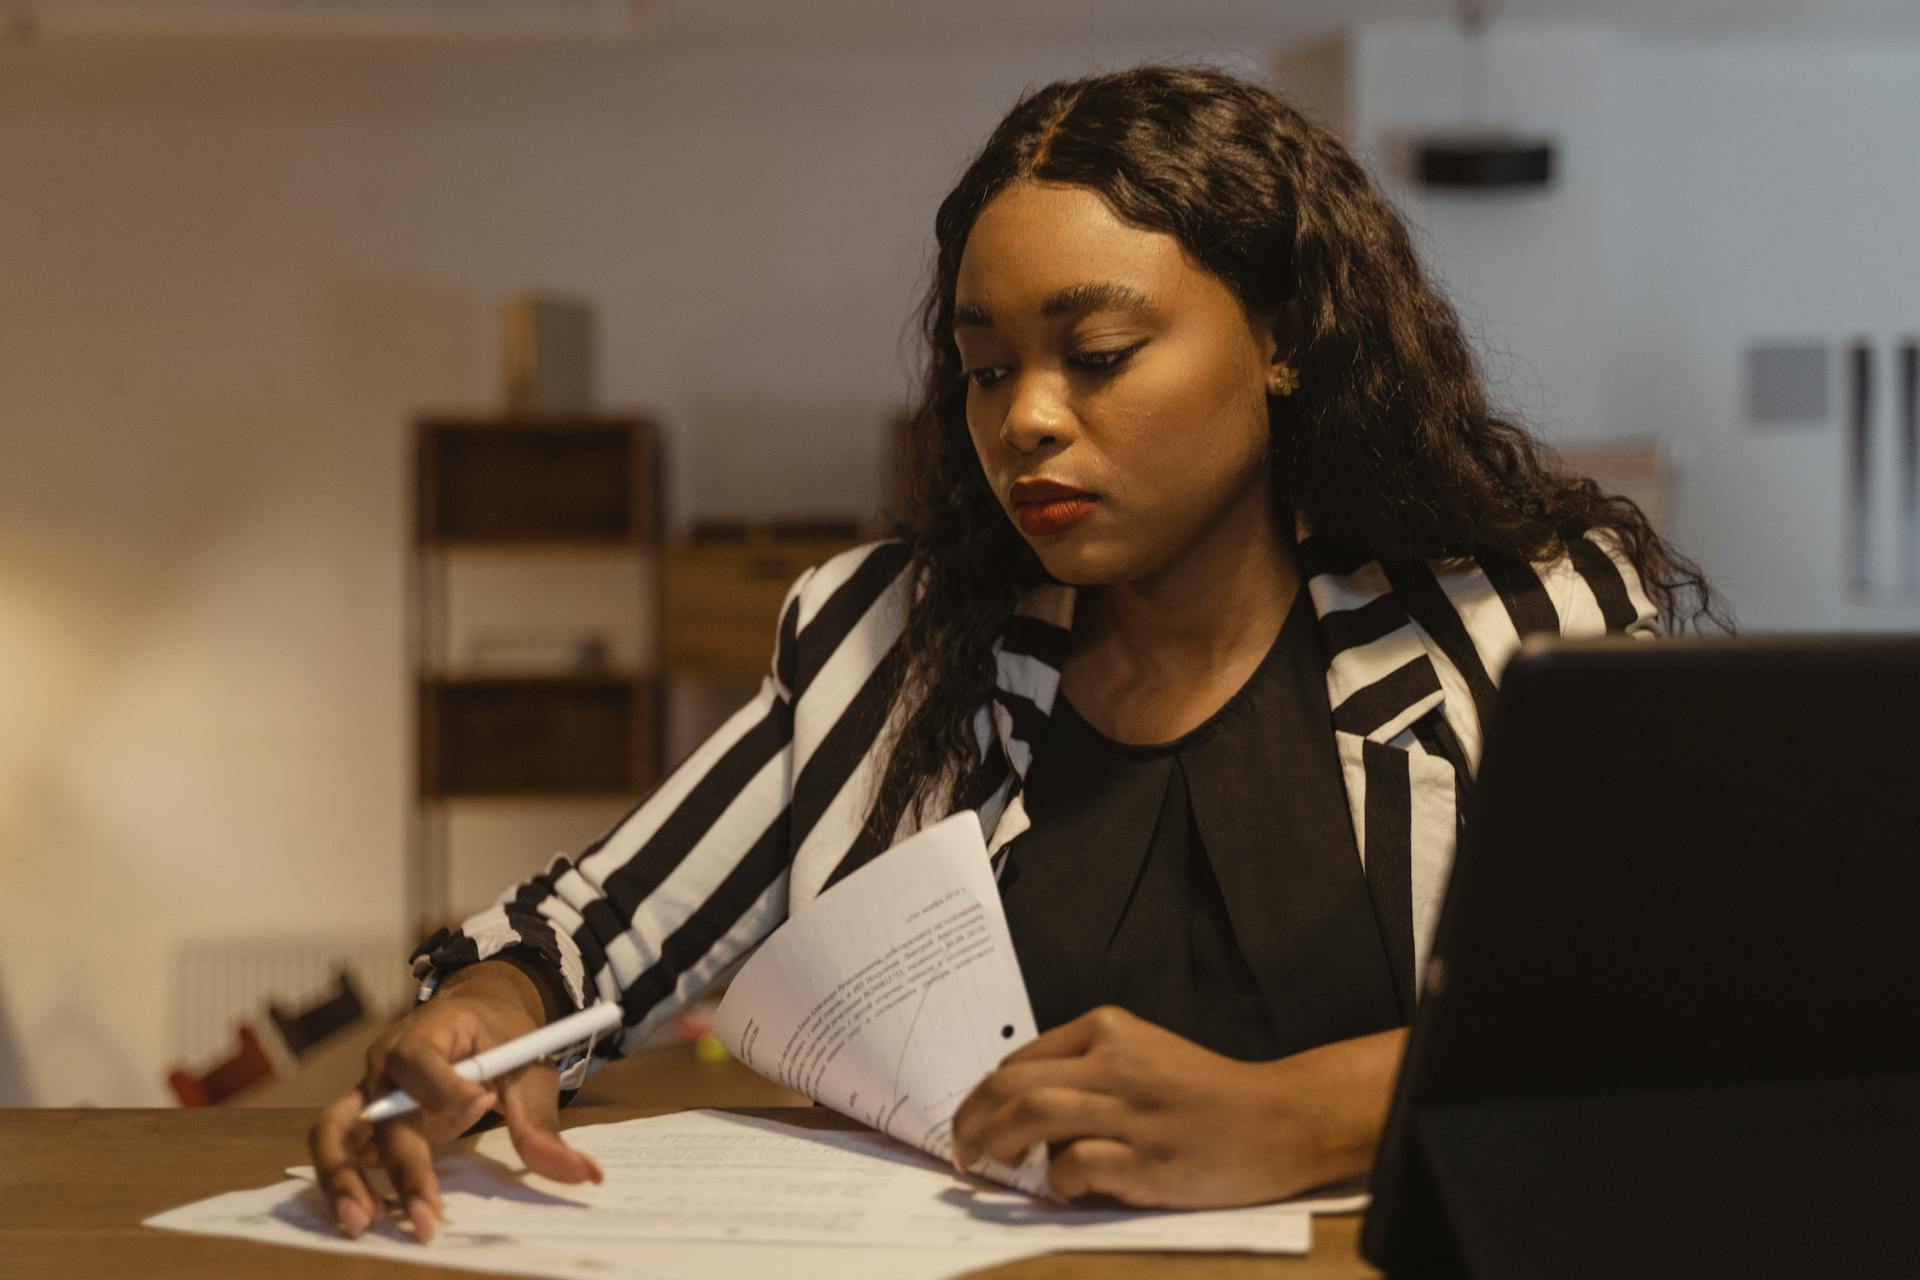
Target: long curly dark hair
(1388, 446)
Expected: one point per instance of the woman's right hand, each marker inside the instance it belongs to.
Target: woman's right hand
(475, 1008)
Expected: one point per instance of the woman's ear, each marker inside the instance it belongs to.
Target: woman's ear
(1286, 330)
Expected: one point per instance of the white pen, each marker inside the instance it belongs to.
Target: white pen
(517, 1052)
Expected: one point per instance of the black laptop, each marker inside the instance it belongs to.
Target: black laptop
(1671, 1018)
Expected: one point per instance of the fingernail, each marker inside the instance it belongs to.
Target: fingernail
(351, 1217)
(599, 1174)
(420, 1213)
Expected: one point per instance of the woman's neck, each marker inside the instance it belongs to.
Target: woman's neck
(1214, 609)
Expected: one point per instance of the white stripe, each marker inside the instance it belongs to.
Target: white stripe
(700, 873)
(564, 920)
(829, 693)
(1351, 748)
(1011, 824)
(1431, 830)
(1354, 670)
(1361, 587)
(1646, 622)
(823, 581)
(1019, 753)
(833, 835)
(1580, 614)
(759, 920)
(1484, 615)
(1027, 676)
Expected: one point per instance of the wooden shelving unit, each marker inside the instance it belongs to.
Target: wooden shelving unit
(566, 723)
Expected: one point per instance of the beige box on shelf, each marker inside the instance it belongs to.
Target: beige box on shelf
(722, 597)
(548, 355)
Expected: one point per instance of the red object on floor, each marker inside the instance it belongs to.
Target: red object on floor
(227, 1079)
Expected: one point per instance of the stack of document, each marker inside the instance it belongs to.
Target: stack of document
(887, 998)
(707, 1193)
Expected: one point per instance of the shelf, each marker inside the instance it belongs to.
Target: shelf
(529, 544)
(536, 736)
(536, 480)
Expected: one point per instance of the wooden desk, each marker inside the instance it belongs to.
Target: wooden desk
(74, 1186)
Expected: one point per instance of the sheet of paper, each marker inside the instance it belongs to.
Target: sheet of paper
(892, 994)
(710, 1175)
(291, 1214)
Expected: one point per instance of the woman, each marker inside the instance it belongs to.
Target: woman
(1215, 551)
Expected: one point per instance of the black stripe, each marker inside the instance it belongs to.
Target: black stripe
(1389, 818)
(821, 638)
(866, 847)
(1345, 629)
(1435, 613)
(430, 944)
(785, 647)
(1318, 557)
(1029, 722)
(1036, 638)
(593, 959)
(1603, 579)
(1367, 709)
(844, 745)
(870, 844)
(987, 778)
(544, 968)
(449, 951)
(600, 841)
(743, 887)
(633, 880)
(1526, 598)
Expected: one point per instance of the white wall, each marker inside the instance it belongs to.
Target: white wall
(1528, 271)
(1774, 191)
(1707, 194)
(231, 273)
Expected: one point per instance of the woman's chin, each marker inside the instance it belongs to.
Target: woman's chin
(1079, 564)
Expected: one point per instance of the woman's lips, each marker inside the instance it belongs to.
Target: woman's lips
(1043, 507)
(1043, 518)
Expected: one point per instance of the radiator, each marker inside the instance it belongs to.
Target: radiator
(217, 982)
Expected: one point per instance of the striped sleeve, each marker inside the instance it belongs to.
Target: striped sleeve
(683, 885)
(1597, 590)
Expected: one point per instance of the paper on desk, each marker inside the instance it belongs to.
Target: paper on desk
(714, 1176)
(291, 1213)
(892, 994)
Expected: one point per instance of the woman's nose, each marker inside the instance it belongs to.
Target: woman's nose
(1037, 418)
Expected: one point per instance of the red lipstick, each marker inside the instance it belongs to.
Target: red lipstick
(1045, 507)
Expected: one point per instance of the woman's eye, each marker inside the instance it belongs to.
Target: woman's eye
(1103, 361)
(984, 378)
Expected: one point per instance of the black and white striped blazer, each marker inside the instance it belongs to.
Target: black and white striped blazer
(770, 810)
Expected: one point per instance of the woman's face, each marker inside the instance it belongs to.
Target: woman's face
(1117, 390)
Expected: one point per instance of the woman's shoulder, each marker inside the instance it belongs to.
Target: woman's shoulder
(863, 574)
(1586, 587)
(856, 597)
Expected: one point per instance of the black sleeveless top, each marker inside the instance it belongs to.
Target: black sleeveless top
(1210, 884)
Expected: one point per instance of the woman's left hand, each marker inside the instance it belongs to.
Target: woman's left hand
(1132, 1111)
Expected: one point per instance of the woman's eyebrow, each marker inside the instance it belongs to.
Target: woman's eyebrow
(1074, 300)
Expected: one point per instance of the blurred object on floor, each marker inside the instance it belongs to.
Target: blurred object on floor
(302, 1031)
(216, 982)
(249, 1066)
